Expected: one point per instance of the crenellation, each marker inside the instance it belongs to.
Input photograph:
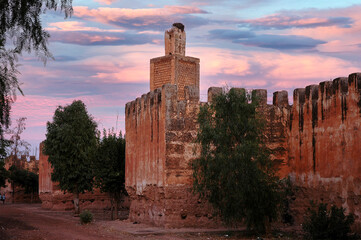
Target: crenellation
(311, 92)
(213, 91)
(280, 99)
(355, 79)
(315, 142)
(240, 91)
(260, 95)
(191, 93)
(299, 95)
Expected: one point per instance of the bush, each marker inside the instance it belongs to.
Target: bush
(86, 217)
(321, 223)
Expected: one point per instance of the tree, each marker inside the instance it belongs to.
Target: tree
(18, 147)
(109, 167)
(234, 171)
(21, 30)
(71, 142)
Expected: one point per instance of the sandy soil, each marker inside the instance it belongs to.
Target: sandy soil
(30, 222)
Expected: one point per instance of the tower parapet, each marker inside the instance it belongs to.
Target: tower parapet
(175, 68)
(175, 40)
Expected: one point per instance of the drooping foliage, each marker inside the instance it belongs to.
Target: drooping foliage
(234, 171)
(21, 30)
(71, 142)
(109, 166)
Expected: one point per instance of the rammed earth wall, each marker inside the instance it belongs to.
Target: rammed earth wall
(315, 141)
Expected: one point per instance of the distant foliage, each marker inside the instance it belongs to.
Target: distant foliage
(234, 171)
(86, 217)
(322, 223)
(24, 178)
(4, 174)
(109, 166)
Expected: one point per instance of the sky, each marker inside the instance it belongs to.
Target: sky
(102, 52)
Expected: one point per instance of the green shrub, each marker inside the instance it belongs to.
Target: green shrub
(86, 217)
(321, 223)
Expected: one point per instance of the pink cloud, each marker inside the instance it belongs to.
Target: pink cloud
(267, 69)
(140, 17)
(77, 26)
(107, 2)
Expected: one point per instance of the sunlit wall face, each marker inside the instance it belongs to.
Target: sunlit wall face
(102, 52)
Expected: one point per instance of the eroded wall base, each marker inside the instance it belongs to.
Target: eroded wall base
(171, 207)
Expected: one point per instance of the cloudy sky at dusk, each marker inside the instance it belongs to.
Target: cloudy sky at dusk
(102, 52)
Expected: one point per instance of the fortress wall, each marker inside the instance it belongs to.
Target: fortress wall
(324, 144)
(276, 128)
(183, 208)
(160, 134)
(167, 201)
(45, 183)
(145, 156)
(160, 184)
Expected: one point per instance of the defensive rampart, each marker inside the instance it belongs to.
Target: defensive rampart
(315, 141)
(324, 143)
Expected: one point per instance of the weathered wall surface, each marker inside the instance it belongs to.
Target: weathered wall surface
(316, 141)
(324, 144)
(45, 183)
(160, 132)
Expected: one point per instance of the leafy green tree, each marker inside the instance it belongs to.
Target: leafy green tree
(109, 167)
(234, 171)
(71, 142)
(21, 30)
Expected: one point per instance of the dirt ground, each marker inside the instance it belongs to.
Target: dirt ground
(31, 222)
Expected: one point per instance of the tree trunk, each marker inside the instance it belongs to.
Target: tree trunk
(76, 203)
(117, 207)
(13, 193)
(111, 207)
(31, 197)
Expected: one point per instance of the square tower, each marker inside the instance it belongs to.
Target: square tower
(174, 67)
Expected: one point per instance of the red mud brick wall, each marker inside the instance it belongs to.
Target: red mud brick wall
(324, 144)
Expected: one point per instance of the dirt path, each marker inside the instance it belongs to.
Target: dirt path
(31, 222)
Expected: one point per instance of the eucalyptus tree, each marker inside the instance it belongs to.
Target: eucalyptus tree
(71, 143)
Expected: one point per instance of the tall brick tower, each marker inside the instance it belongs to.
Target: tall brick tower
(174, 67)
